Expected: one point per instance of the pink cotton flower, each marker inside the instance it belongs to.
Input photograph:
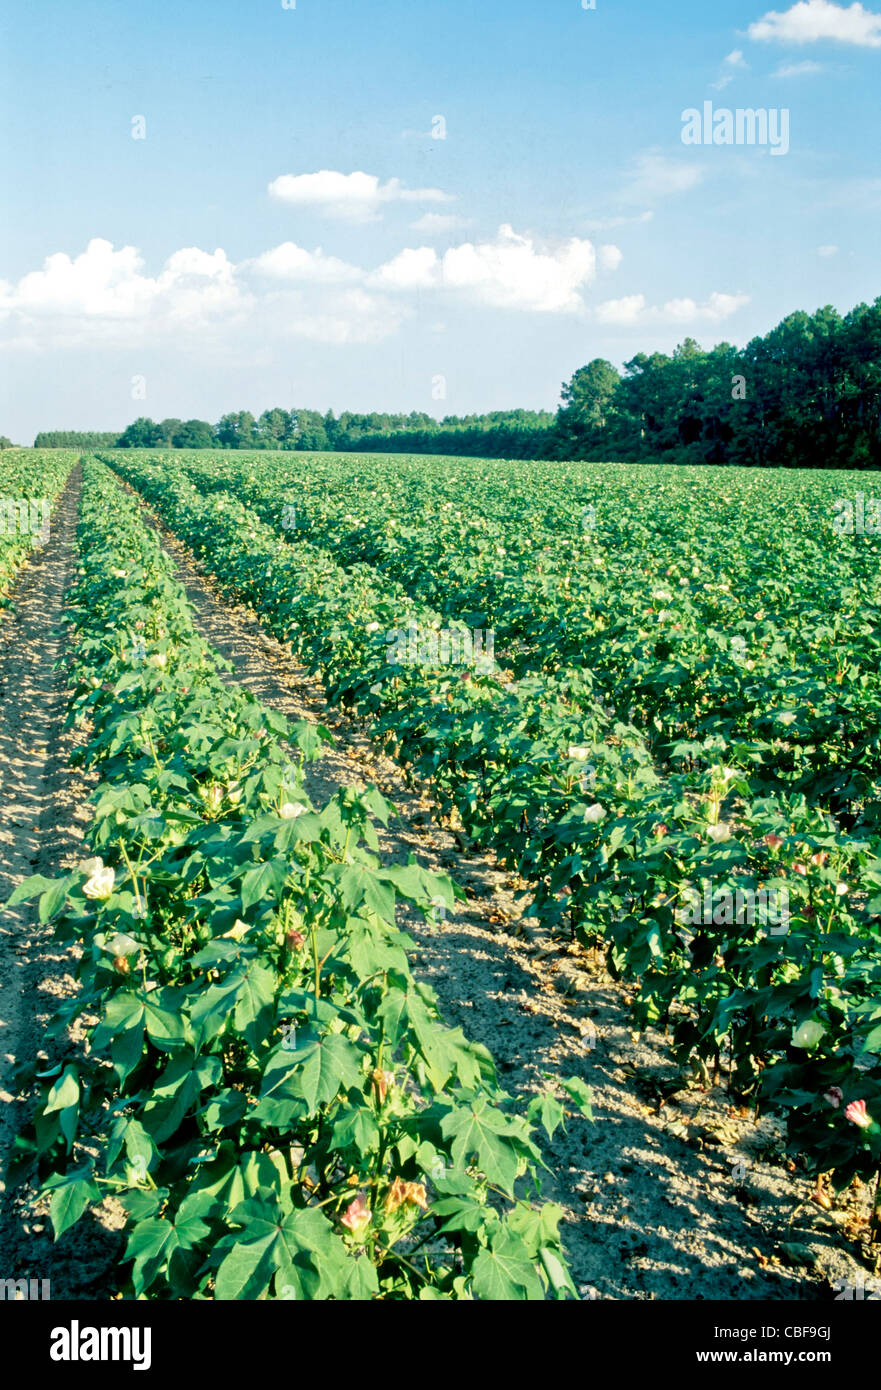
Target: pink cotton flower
(834, 1096)
(357, 1217)
(858, 1115)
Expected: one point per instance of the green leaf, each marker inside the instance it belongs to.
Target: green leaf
(263, 881)
(323, 1067)
(301, 1244)
(579, 1092)
(55, 897)
(255, 1003)
(546, 1110)
(32, 887)
(246, 1271)
(481, 1131)
(69, 1200)
(150, 1245)
(355, 1128)
(559, 1277)
(64, 1093)
(505, 1273)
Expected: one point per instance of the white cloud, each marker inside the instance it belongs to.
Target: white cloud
(629, 309)
(656, 175)
(511, 272)
(104, 296)
(437, 222)
(106, 287)
(735, 59)
(716, 308)
(411, 269)
(806, 69)
(810, 21)
(827, 251)
(633, 309)
(609, 257)
(290, 262)
(354, 197)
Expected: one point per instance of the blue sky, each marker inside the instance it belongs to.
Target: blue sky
(230, 259)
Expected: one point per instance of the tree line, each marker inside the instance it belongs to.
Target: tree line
(806, 394)
(76, 439)
(310, 430)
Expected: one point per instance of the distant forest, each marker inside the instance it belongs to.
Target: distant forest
(807, 394)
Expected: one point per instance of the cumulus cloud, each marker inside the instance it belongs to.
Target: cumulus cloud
(356, 197)
(106, 287)
(629, 309)
(634, 309)
(290, 262)
(827, 251)
(104, 295)
(511, 272)
(412, 269)
(811, 21)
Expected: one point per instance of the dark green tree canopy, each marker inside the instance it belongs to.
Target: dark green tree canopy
(806, 394)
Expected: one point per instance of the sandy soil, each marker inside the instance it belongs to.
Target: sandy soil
(672, 1193)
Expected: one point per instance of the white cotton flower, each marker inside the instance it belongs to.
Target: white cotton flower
(239, 931)
(719, 832)
(373, 627)
(595, 813)
(100, 884)
(159, 660)
(122, 945)
(119, 574)
(579, 755)
(291, 809)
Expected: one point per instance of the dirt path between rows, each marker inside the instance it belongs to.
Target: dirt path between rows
(671, 1193)
(43, 816)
